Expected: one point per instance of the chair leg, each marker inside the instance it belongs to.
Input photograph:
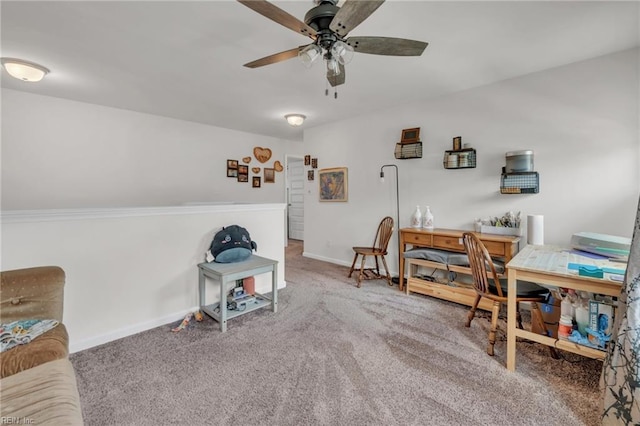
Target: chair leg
(361, 270)
(536, 316)
(353, 265)
(472, 311)
(377, 266)
(386, 269)
(518, 316)
(495, 312)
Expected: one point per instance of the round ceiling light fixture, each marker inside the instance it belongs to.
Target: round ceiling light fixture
(295, 120)
(24, 70)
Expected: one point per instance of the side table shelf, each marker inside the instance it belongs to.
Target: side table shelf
(226, 273)
(213, 310)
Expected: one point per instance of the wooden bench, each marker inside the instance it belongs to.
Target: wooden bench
(442, 249)
(452, 263)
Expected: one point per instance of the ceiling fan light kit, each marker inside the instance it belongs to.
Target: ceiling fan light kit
(24, 70)
(309, 54)
(328, 25)
(295, 120)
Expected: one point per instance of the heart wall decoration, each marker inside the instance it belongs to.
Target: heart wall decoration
(262, 154)
(278, 166)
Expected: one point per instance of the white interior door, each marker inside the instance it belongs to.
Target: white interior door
(295, 194)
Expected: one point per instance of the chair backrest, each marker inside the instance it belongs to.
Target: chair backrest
(385, 230)
(482, 267)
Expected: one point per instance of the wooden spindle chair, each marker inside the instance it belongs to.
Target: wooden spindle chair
(377, 250)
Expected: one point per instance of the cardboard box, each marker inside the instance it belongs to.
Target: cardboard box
(601, 318)
(551, 317)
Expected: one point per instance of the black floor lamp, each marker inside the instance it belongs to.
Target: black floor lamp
(396, 280)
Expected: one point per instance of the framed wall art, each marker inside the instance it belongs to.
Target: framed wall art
(255, 182)
(269, 175)
(307, 160)
(309, 174)
(457, 143)
(232, 164)
(410, 135)
(333, 184)
(232, 173)
(314, 163)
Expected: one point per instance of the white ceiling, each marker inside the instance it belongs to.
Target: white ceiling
(183, 59)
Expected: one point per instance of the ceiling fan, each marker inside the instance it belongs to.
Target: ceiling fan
(328, 25)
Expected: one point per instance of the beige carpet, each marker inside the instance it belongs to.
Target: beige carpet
(334, 355)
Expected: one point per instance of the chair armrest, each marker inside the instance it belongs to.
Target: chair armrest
(32, 293)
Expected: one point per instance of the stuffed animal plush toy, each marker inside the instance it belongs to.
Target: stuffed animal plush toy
(232, 244)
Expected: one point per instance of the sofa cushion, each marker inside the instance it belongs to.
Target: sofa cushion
(43, 395)
(50, 346)
(32, 293)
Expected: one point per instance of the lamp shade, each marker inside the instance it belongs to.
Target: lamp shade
(24, 70)
(309, 54)
(342, 52)
(295, 119)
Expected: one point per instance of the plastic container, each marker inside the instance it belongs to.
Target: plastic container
(582, 318)
(519, 161)
(565, 327)
(416, 218)
(566, 309)
(427, 222)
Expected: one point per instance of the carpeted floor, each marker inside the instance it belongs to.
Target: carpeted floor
(334, 354)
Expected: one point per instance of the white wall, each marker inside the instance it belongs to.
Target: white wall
(128, 270)
(58, 153)
(581, 120)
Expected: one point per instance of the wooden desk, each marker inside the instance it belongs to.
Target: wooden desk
(502, 246)
(547, 265)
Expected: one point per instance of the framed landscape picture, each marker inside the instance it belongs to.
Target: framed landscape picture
(333, 184)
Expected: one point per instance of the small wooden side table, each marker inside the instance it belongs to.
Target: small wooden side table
(226, 273)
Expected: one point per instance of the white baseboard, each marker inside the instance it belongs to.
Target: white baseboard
(127, 331)
(341, 262)
(134, 329)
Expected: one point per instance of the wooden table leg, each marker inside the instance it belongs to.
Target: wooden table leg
(511, 319)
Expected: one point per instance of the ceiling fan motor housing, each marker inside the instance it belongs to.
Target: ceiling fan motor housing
(319, 18)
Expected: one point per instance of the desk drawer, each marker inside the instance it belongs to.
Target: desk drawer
(494, 248)
(422, 240)
(448, 243)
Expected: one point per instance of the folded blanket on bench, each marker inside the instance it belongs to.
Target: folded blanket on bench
(446, 257)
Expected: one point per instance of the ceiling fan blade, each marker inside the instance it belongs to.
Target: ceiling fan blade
(387, 46)
(352, 13)
(278, 15)
(276, 57)
(336, 80)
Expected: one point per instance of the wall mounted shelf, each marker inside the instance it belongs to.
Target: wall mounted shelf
(460, 159)
(520, 183)
(405, 151)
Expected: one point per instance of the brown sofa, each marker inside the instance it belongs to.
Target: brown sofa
(37, 381)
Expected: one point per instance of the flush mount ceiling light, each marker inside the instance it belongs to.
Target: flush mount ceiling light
(295, 119)
(24, 70)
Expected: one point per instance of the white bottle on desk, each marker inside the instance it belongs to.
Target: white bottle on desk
(416, 219)
(427, 222)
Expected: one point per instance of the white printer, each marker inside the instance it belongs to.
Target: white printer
(602, 244)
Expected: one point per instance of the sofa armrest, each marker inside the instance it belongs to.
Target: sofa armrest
(32, 293)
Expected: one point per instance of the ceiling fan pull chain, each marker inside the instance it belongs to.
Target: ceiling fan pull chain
(335, 93)
(326, 88)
